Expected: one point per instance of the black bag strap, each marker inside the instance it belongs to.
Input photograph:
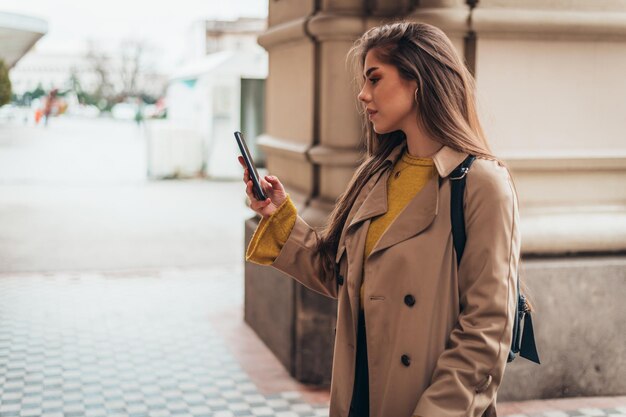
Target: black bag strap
(523, 344)
(457, 184)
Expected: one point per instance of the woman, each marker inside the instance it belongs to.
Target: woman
(416, 335)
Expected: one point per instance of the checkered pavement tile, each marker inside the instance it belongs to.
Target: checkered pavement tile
(134, 345)
(141, 346)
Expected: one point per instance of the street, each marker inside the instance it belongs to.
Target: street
(74, 196)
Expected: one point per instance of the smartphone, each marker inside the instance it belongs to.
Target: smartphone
(254, 175)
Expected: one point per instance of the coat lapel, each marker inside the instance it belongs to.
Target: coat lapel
(375, 198)
(375, 202)
(372, 200)
(416, 216)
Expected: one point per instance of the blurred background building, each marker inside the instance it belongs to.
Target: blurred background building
(209, 36)
(190, 110)
(18, 34)
(552, 99)
(219, 89)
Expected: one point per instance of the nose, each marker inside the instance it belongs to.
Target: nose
(363, 96)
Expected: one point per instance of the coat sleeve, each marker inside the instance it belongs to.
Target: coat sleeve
(469, 371)
(294, 241)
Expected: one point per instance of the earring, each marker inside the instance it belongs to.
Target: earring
(416, 95)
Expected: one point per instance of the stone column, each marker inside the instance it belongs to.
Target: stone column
(550, 77)
(312, 153)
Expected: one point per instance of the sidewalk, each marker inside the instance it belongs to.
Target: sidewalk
(127, 343)
(158, 343)
(270, 377)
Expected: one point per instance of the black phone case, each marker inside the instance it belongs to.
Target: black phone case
(254, 175)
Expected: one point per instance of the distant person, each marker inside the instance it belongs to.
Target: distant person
(50, 101)
(38, 115)
(139, 112)
(421, 331)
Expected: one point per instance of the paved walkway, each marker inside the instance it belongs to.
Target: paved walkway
(157, 343)
(127, 344)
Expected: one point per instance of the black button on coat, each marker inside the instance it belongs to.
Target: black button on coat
(409, 300)
(406, 361)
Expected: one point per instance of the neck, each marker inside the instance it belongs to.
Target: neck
(419, 143)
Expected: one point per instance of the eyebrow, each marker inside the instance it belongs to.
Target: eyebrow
(370, 70)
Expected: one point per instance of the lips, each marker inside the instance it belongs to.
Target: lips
(371, 113)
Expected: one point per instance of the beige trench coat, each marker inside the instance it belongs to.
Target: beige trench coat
(443, 355)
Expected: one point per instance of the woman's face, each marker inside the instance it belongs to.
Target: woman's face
(388, 98)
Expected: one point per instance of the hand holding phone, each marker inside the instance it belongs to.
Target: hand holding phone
(254, 175)
(273, 191)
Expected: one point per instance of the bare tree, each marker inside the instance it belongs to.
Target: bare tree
(121, 73)
(101, 65)
(132, 53)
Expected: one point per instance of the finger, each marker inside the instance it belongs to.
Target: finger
(262, 204)
(249, 191)
(276, 185)
(246, 176)
(251, 194)
(258, 205)
(266, 185)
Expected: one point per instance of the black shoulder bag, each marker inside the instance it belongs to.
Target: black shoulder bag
(522, 343)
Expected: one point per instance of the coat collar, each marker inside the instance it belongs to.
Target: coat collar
(419, 212)
(446, 158)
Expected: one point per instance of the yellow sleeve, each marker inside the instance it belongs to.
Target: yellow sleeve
(271, 234)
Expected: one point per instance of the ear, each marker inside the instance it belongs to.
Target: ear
(416, 93)
(414, 86)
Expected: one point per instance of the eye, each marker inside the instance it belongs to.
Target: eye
(374, 80)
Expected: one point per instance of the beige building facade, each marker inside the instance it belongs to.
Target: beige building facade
(552, 97)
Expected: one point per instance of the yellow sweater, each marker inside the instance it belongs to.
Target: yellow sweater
(408, 177)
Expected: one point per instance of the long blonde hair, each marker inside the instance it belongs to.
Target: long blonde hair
(447, 107)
